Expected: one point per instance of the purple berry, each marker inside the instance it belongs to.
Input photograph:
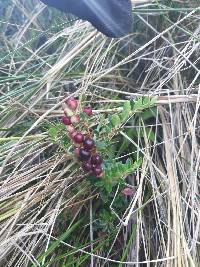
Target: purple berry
(88, 143)
(87, 166)
(84, 154)
(97, 170)
(66, 120)
(96, 159)
(78, 138)
(88, 111)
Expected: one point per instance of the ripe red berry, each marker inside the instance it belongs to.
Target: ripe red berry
(72, 103)
(75, 119)
(128, 191)
(88, 111)
(66, 120)
(79, 138)
(71, 129)
(77, 151)
(88, 143)
(84, 154)
(72, 134)
(97, 170)
(100, 175)
(96, 159)
(87, 166)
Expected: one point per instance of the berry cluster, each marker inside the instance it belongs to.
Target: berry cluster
(84, 144)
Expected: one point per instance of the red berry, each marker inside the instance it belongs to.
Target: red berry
(96, 159)
(87, 166)
(75, 119)
(128, 191)
(77, 151)
(84, 154)
(88, 111)
(71, 129)
(88, 143)
(97, 170)
(66, 120)
(79, 138)
(72, 103)
(72, 134)
(100, 175)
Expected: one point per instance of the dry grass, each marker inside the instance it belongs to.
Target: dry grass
(38, 180)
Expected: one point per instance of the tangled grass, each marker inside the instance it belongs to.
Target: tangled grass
(47, 208)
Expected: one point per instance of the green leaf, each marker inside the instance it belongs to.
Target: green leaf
(84, 116)
(53, 132)
(143, 103)
(60, 126)
(127, 107)
(115, 120)
(137, 164)
(154, 100)
(115, 171)
(124, 115)
(101, 144)
(138, 104)
(65, 140)
(146, 101)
